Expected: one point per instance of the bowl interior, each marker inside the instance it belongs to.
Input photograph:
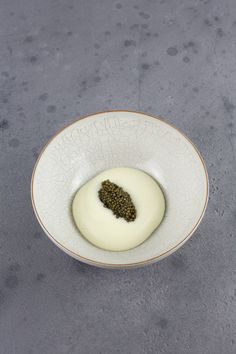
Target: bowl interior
(113, 139)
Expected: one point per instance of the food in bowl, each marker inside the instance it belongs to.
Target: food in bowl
(99, 142)
(119, 208)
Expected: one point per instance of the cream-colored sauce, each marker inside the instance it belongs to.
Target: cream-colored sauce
(100, 226)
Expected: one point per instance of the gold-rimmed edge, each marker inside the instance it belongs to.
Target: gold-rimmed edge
(110, 265)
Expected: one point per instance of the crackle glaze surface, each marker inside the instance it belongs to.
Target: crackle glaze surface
(118, 139)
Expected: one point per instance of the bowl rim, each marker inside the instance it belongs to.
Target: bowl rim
(118, 265)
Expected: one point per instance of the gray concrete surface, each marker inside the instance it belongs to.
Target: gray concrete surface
(61, 59)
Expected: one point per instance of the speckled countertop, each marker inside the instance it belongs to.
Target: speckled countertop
(61, 59)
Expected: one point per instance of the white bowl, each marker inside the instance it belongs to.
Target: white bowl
(112, 139)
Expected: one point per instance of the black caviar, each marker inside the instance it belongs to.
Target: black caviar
(116, 199)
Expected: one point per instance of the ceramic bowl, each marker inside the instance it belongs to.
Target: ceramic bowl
(111, 139)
